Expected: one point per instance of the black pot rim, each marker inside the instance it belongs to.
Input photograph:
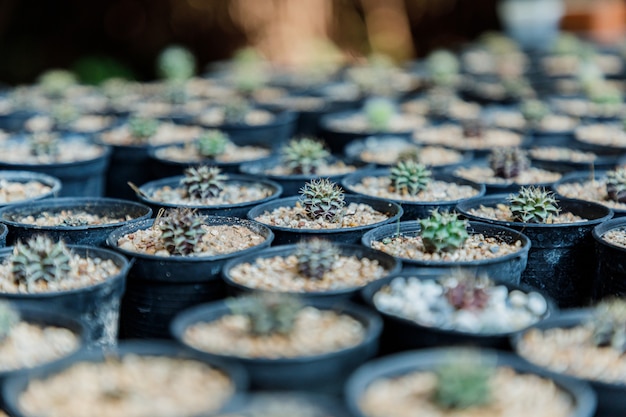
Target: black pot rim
(106, 153)
(153, 150)
(327, 119)
(281, 118)
(496, 186)
(276, 159)
(582, 176)
(19, 176)
(602, 228)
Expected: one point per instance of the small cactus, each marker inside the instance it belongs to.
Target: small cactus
(379, 112)
(409, 178)
(439, 101)
(322, 199)
(508, 162)
(534, 111)
(616, 185)
(248, 71)
(181, 230)
(44, 144)
(473, 128)
(40, 259)
(464, 382)
(55, 82)
(411, 153)
(9, 317)
(443, 232)
(608, 324)
(443, 67)
(203, 182)
(176, 63)
(603, 94)
(268, 313)
(212, 143)
(466, 291)
(64, 114)
(304, 156)
(533, 205)
(316, 257)
(517, 88)
(235, 111)
(142, 128)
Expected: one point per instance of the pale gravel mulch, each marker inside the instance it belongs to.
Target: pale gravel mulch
(591, 190)
(502, 212)
(355, 215)
(586, 108)
(388, 153)
(18, 152)
(485, 175)
(557, 153)
(167, 133)
(68, 217)
(234, 192)
(324, 169)
(476, 247)
(255, 117)
(132, 386)
(616, 236)
(513, 394)
(550, 124)
(357, 122)
(315, 332)
(14, 191)
(88, 123)
(602, 134)
(435, 191)
(232, 153)
(452, 136)
(457, 108)
(280, 273)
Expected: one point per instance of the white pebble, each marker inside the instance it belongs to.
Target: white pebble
(537, 304)
(518, 299)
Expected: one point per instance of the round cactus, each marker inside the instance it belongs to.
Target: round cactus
(533, 205)
(63, 114)
(212, 143)
(608, 324)
(412, 153)
(235, 111)
(534, 111)
(316, 257)
(56, 82)
(443, 232)
(466, 291)
(203, 182)
(379, 112)
(464, 382)
(176, 63)
(267, 313)
(443, 67)
(508, 162)
(616, 185)
(40, 259)
(322, 199)
(409, 177)
(304, 156)
(248, 71)
(43, 144)
(181, 230)
(142, 128)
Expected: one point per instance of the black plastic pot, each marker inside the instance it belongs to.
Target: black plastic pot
(413, 209)
(234, 210)
(14, 387)
(26, 176)
(303, 404)
(400, 333)
(429, 359)
(391, 264)
(610, 395)
(159, 287)
(561, 260)
(14, 121)
(598, 148)
(611, 267)
(581, 177)
(130, 163)
(508, 267)
(90, 235)
(319, 373)
(601, 163)
(292, 184)
(97, 306)
(286, 235)
(4, 230)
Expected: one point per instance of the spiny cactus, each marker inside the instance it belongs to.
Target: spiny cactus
(142, 128)
(608, 324)
(473, 128)
(534, 111)
(466, 291)
(379, 112)
(616, 185)
(322, 199)
(443, 67)
(212, 143)
(203, 182)
(44, 144)
(304, 156)
(508, 162)
(40, 259)
(316, 257)
(411, 153)
(463, 382)
(235, 111)
(443, 231)
(176, 63)
(409, 177)
(64, 114)
(9, 317)
(55, 82)
(533, 205)
(181, 230)
(268, 313)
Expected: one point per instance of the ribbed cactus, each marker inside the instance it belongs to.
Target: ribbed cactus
(533, 205)
(409, 178)
(9, 317)
(316, 257)
(43, 144)
(466, 291)
(203, 182)
(379, 112)
(443, 231)
(40, 259)
(181, 230)
(463, 382)
(534, 111)
(508, 162)
(212, 143)
(56, 82)
(142, 128)
(322, 199)
(267, 313)
(616, 185)
(176, 63)
(608, 324)
(304, 156)
(235, 111)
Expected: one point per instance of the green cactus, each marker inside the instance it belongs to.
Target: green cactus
(181, 230)
(203, 182)
(176, 63)
(464, 382)
(9, 317)
(443, 232)
(411, 153)
(604, 94)
(212, 143)
(267, 313)
(534, 111)
(64, 114)
(56, 82)
(443, 67)
(374, 77)
(304, 156)
(43, 144)
(616, 185)
(379, 112)
(439, 101)
(608, 324)
(322, 199)
(466, 291)
(533, 205)
(409, 178)
(248, 71)
(517, 88)
(508, 162)
(142, 128)
(236, 110)
(40, 259)
(316, 257)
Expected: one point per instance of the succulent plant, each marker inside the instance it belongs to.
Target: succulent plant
(203, 182)
(40, 259)
(181, 230)
(463, 382)
(43, 144)
(374, 78)
(473, 128)
(608, 324)
(322, 199)
(533, 205)
(439, 100)
(63, 114)
(443, 231)
(466, 291)
(604, 94)
(248, 72)
(236, 110)
(616, 185)
(9, 317)
(409, 178)
(142, 128)
(176, 63)
(316, 257)
(534, 111)
(268, 313)
(212, 143)
(443, 67)
(55, 82)
(508, 162)
(411, 153)
(517, 88)
(379, 112)
(304, 156)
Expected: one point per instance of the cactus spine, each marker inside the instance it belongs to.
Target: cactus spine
(40, 259)
(181, 231)
(409, 178)
(203, 182)
(142, 128)
(508, 162)
(533, 205)
(212, 143)
(464, 382)
(443, 232)
(379, 113)
(316, 257)
(304, 156)
(268, 313)
(322, 199)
